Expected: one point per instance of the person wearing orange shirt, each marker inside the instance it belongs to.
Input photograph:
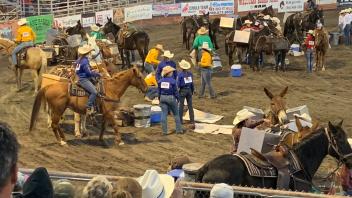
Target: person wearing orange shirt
(25, 38)
(152, 91)
(151, 60)
(206, 65)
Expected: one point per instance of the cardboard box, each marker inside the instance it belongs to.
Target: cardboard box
(241, 36)
(48, 79)
(259, 114)
(297, 110)
(226, 22)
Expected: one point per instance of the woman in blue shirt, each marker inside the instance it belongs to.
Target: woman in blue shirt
(186, 89)
(85, 74)
(168, 96)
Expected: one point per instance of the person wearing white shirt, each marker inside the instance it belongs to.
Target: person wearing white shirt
(347, 28)
(341, 19)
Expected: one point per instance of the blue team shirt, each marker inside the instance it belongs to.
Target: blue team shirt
(163, 64)
(168, 86)
(185, 80)
(83, 69)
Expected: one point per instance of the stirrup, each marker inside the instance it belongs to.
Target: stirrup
(90, 111)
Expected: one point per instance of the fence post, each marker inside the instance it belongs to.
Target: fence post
(68, 7)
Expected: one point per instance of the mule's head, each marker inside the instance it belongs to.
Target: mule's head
(278, 105)
(304, 131)
(339, 147)
(110, 27)
(138, 80)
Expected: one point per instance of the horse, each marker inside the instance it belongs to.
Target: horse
(277, 111)
(77, 29)
(58, 98)
(269, 11)
(321, 47)
(138, 40)
(190, 26)
(35, 60)
(310, 153)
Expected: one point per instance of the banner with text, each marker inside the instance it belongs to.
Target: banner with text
(88, 19)
(194, 8)
(291, 5)
(69, 21)
(8, 29)
(138, 12)
(221, 7)
(101, 17)
(40, 25)
(167, 9)
(249, 5)
(344, 3)
(119, 15)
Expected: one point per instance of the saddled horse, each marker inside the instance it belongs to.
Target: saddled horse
(321, 47)
(309, 154)
(59, 99)
(77, 29)
(269, 11)
(191, 24)
(35, 60)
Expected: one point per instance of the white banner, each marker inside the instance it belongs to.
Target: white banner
(88, 19)
(221, 7)
(194, 8)
(68, 21)
(249, 5)
(325, 2)
(101, 16)
(138, 12)
(167, 9)
(291, 5)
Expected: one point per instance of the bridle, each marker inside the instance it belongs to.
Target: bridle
(333, 145)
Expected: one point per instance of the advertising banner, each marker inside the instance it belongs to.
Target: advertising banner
(8, 29)
(291, 5)
(69, 21)
(101, 17)
(167, 9)
(194, 8)
(221, 7)
(88, 19)
(119, 15)
(40, 25)
(344, 3)
(138, 12)
(250, 5)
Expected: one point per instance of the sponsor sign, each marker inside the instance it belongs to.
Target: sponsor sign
(194, 8)
(88, 19)
(40, 25)
(249, 5)
(291, 5)
(119, 15)
(69, 21)
(8, 29)
(138, 12)
(101, 17)
(221, 7)
(166, 9)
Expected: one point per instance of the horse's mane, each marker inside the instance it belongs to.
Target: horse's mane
(307, 139)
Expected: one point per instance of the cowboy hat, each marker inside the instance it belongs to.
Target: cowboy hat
(167, 70)
(159, 47)
(156, 185)
(342, 11)
(267, 17)
(261, 15)
(22, 21)
(184, 64)
(277, 20)
(202, 31)
(311, 32)
(168, 54)
(95, 28)
(205, 46)
(63, 188)
(221, 190)
(85, 49)
(242, 115)
(304, 117)
(247, 22)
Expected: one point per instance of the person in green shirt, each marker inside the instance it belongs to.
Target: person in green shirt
(202, 37)
(96, 32)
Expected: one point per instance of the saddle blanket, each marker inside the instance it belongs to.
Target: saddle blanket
(76, 90)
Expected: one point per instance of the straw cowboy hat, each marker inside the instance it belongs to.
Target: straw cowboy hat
(22, 21)
(156, 185)
(244, 114)
(311, 32)
(202, 31)
(275, 19)
(166, 70)
(95, 28)
(247, 22)
(221, 191)
(184, 64)
(85, 49)
(267, 17)
(168, 54)
(205, 46)
(159, 47)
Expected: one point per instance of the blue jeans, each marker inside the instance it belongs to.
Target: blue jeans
(152, 92)
(310, 60)
(18, 48)
(186, 93)
(168, 102)
(206, 80)
(347, 34)
(90, 88)
(149, 68)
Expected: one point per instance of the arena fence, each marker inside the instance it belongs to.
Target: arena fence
(9, 10)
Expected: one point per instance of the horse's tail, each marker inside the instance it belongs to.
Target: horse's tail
(201, 173)
(184, 31)
(36, 107)
(146, 46)
(44, 67)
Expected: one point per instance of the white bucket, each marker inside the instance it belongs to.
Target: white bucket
(142, 114)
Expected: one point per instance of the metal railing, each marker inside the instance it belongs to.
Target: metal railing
(9, 10)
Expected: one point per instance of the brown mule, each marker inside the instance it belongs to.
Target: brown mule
(277, 113)
(321, 47)
(35, 60)
(58, 99)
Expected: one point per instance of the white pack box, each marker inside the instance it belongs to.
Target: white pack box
(227, 22)
(241, 36)
(297, 110)
(259, 114)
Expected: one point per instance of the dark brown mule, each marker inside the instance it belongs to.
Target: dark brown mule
(190, 26)
(58, 98)
(321, 47)
(269, 11)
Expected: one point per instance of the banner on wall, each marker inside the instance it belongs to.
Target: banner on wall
(88, 19)
(221, 7)
(119, 15)
(101, 16)
(291, 5)
(8, 29)
(249, 5)
(167, 9)
(138, 12)
(69, 21)
(194, 8)
(326, 1)
(344, 2)
(40, 25)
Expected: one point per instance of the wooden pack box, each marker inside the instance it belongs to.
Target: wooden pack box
(259, 114)
(48, 79)
(297, 110)
(241, 36)
(227, 22)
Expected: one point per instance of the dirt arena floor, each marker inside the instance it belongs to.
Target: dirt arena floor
(327, 95)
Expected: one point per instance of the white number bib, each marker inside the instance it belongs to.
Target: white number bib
(25, 34)
(78, 66)
(311, 42)
(165, 85)
(188, 80)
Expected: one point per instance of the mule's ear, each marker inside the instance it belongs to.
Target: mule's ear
(268, 93)
(135, 70)
(340, 123)
(315, 126)
(298, 124)
(331, 127)
(284, 92)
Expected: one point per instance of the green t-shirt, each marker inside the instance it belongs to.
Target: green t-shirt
(200, 39)
(98, 35)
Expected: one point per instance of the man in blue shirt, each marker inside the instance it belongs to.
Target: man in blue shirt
(166, 62)
(85, 74)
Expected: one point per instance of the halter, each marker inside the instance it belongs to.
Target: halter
(333, 145)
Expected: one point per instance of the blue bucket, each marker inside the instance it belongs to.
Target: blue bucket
(155, 115)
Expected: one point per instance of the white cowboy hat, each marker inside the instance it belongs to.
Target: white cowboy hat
(95, 28)
(342, 11)
(350, 141)
(22, 21)
(311, 32)
(205, 46)
(247, 22)
(156, 185)
(304, 117)
(202, 31)
(319, 25)
(277, 20)
(168, 54)
(221, 191)
(267, 17)
(184, 64)
(167, 69)
(159, 47)
(85, 49)
(244, 114)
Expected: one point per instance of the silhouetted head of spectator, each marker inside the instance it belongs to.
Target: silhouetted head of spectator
(8, 160)
(98, 187)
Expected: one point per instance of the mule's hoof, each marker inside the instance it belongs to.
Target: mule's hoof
(78, 136)
(121, 143)
(323, 69)
(63, 143)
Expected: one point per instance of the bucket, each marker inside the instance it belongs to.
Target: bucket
(142, 115)
(236, 70)
(217, 66)
(155, 114)
(294, 47)
(334, 38)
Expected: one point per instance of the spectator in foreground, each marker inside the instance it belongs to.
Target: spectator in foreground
(8, 160)
(127, 188)
(221, 191)
(38, 185)
(63, 189)
(156, 185)
(98, 187)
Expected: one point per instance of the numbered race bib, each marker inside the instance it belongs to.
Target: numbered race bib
(78, 66)
(165, 85)
(311, 42)
(25, 34)
(188, 80)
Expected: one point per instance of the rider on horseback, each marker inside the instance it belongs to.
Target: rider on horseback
(25, 38)
(85, 74)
